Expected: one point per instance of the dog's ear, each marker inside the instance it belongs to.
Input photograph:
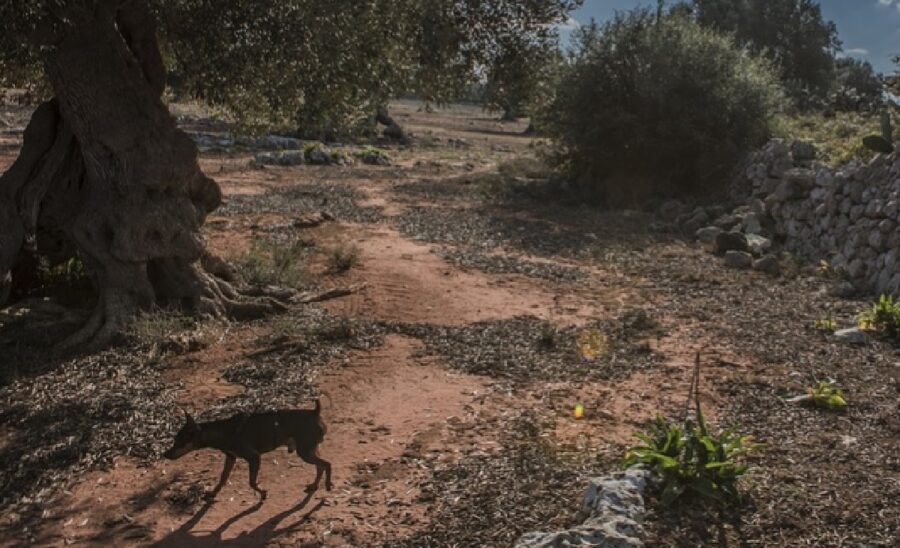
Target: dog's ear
(189, 421)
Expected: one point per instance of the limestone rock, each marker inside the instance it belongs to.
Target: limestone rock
(708, 235)
(854, 336)
(616, 507)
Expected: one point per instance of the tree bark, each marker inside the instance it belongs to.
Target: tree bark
(105, 169)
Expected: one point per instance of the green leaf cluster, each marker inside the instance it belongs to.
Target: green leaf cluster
(827, 395)
(883, 318)
(691, 460)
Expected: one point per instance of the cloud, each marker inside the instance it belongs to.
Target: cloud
(894, 3)
(857, 51)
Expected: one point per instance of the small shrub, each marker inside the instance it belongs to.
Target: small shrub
(69, 283)
(883, 318)
(343, 258)
(649, 109)
(827, 395)
(278, 264)
(690, 459)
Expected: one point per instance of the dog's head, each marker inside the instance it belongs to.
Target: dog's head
(186, 440)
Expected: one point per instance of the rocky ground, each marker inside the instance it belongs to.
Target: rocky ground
(448, 383)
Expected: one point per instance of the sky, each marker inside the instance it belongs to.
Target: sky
(869, 29)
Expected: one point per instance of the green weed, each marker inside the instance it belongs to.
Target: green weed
(883, 318)
(689, 458)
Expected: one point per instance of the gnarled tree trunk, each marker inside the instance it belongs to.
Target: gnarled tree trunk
(105, 169)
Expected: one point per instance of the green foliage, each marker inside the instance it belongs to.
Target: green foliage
(825, 324)
(277, 264)
(323, 66)
(691, 460)
(883, 318)
(791, 33)
(858, 87)
(649, 108)
(342, 258)
(69, 273)
(827, 395)
(838, 138)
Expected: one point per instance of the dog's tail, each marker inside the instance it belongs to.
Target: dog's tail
(318, 408)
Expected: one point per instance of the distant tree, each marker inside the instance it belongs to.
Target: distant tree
(104, 170)
(792, 33)
(858, 86)
(894, 81)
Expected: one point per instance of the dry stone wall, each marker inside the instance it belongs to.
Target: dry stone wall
(849, 216)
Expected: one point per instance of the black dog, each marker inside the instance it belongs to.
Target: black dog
(249, 436)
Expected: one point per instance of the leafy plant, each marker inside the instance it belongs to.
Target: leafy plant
(825, 324)
(827, 395)
(689, 458)
(883, 318)
(827, 271)
(70, 272)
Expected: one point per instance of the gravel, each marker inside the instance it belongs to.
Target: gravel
(502, 264)
(339, 200)
(492, 499)
(76, 418)
(525, 349)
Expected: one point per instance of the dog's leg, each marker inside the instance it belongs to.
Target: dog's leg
(226, 472)
(321, 465)
(253, 461)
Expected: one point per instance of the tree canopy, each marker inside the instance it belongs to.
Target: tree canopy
(321, 65)
(792, 33)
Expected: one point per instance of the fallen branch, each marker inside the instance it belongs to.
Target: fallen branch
(328, 294)
(313, 219)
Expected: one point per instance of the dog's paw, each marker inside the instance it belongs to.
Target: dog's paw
(312, 488)
(329, 486)
(262, 495)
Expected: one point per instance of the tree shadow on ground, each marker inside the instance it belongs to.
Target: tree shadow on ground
(260, 536)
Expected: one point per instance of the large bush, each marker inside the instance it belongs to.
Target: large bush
(657, 107)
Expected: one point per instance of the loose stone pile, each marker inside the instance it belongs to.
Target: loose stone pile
(847, 216)
(615, 505)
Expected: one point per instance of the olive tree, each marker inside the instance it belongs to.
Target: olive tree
(105, 172)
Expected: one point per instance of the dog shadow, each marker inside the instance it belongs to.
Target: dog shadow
(184, 536)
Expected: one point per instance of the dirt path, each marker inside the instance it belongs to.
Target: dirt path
(384, 410)
(449, 392)
(391, 413)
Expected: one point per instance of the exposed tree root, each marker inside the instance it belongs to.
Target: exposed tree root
(104, 171)
(328, 294)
